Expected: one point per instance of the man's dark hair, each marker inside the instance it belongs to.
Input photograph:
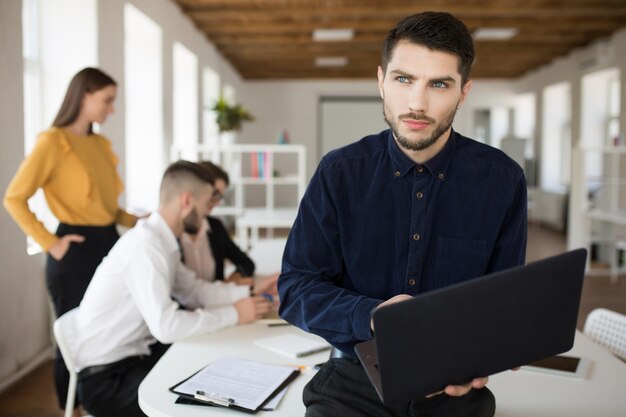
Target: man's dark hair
(438, 31)
(183, 176)
(217, 171)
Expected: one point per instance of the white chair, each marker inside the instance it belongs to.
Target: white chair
(64, 333)
(608, 328)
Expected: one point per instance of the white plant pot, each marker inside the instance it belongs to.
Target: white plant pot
(228, 138)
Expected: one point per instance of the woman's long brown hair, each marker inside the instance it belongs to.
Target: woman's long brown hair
(87, 80)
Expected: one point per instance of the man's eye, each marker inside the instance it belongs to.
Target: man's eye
(402, 79)
(440, 84)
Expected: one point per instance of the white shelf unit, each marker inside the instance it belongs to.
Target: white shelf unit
(235, 159)
(605, 210)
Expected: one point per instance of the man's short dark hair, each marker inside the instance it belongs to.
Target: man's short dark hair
(183, 176)
(438, 31)
(217, 171)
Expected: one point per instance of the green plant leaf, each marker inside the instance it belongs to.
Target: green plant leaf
(230, 117)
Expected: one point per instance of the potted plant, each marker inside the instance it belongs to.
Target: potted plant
(229, 117)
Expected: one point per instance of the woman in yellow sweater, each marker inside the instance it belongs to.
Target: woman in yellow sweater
(76, 169)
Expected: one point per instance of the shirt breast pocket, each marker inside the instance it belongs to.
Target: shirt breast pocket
(460, 259)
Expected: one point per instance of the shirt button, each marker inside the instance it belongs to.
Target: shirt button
(419, 194)
(397, 173)
(411, 282)
(420, 169)
(416, 236)
(440, 175)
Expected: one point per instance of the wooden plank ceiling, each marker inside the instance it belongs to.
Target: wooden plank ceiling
(272, 39)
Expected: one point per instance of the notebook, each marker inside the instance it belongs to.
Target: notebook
(475, 328)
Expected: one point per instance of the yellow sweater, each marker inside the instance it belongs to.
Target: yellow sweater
(80, 181)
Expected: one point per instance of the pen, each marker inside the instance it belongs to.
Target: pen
(278, 324)
(268, 297)
(214, 398)
(300, 367)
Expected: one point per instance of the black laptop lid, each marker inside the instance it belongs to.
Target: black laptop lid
(479, 327)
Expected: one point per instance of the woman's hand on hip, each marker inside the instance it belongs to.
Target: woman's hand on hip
(60, 248)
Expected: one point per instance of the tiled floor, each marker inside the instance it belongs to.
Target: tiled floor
(34, 396)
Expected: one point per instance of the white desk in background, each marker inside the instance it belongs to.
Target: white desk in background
(252, 219)
(267, 255)
(518, 394)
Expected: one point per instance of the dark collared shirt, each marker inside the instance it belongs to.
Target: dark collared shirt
(374, 224)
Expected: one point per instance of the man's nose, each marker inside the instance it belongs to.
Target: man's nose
(418, 99)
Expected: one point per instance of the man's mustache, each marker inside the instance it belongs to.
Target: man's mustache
(418, 116)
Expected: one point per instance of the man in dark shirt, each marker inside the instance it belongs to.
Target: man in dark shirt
(403, 212)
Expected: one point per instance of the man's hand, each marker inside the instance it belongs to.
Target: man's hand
(251, 309)
(397, 299)
(60, 248)
(266, 284)
(239, 279)
(460, 390)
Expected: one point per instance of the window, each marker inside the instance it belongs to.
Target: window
(600, 108)
(211, 93)
(185, 101)
(33, 109)
(600, 125)
(524, 123)
(52, 54)
(230, 95)
(613, 125)
(143, 89)
(556, 143)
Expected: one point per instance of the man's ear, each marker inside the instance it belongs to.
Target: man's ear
(185, 200)
(381, 79)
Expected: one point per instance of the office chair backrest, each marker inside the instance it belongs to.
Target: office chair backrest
(608, 328)
(64, 333)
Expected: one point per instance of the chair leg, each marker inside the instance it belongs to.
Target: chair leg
(71, 395)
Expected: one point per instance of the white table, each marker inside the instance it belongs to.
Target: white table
(518, 394)
(188, 356)
(532, 394)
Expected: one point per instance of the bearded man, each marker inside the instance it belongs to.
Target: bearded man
(409, 210)
(131, 309)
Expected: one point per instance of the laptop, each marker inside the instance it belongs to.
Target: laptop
(475, 328)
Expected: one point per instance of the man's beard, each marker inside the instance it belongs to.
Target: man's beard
(191, 223)
(404, 142)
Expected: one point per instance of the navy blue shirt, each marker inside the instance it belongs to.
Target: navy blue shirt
(374, 224)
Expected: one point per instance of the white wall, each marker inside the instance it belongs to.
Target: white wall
(24, 311)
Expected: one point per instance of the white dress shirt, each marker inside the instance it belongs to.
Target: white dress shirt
(198, 254)
(128, 303)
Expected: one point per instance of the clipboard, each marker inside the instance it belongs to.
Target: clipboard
(235, 383)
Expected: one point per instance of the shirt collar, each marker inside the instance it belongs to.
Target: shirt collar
(437, 165)
(158, 223)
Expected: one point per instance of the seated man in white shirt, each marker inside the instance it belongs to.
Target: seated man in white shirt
(131, 307)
